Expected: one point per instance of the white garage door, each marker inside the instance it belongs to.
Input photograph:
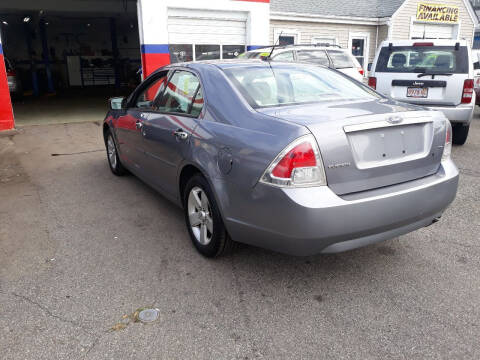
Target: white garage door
(187, 26)
(432, 31)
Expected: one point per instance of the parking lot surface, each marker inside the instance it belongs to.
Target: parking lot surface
(81, 250)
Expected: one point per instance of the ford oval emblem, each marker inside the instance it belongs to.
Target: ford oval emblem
(394, 119)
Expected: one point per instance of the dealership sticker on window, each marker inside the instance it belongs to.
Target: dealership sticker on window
(437, 13)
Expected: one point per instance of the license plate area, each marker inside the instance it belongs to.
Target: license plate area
(390, 145)
(417, 92)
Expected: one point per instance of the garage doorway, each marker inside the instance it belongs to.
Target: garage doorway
(68, 63)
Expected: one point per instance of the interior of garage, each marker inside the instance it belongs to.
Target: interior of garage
(67, 64)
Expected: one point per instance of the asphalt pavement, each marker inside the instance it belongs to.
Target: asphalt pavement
(82, 250)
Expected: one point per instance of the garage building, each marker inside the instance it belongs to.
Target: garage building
(68, 57)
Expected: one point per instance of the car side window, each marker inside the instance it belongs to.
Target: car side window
(179, 94)
(284, 56)
(316, 57)
(146, 98)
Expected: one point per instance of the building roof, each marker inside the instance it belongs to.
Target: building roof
(353, 8)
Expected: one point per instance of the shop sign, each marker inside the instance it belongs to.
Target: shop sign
(439, 13)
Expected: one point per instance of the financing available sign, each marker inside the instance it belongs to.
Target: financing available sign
(439, 13)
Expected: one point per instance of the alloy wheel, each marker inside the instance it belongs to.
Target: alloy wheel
(112, 152)
(200, 216)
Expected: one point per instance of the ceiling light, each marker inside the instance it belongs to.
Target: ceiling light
(88, 25)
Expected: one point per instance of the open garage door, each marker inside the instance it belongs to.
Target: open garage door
(202, 35)
(433, 31)
(65, 61)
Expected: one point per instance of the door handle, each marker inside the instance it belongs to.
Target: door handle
(181, 134)
(138, 124)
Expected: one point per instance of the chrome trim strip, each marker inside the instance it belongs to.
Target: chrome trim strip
(384, 124)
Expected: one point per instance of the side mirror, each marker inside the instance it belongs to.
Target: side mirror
(369, 67)
(118, 103)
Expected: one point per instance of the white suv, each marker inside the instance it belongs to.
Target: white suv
(435, 73)
(328, 55)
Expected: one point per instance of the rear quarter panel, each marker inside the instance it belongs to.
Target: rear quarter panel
(234, 144)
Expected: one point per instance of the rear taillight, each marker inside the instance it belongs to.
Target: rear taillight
(372, 82)
(299, 164)
(447, 149)
(11, 73)
(467, 91)
(360, 70)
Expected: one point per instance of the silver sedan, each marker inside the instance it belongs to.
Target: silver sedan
(295, 158)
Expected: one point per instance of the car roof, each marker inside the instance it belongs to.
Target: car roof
(296, 47)
(232, 63)
(436, 42)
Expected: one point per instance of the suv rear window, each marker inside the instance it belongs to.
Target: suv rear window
(340, 59)
(423, 59)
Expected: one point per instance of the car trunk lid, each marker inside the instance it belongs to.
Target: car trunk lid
(373, 143)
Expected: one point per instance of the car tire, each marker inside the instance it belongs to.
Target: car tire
(460, 134)
(112, 155)
(204, 222)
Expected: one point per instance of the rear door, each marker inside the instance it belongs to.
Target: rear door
(167, 131)
(423, 73)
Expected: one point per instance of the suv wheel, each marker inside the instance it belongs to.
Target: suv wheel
(460, 134)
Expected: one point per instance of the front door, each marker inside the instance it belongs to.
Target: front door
(131, 125)
(168, 129)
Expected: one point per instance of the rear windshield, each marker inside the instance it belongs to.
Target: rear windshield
(421, 59)
(313, 57)
(277, 85)
(340, 59)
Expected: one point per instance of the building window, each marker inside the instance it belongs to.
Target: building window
(180, 53)
(232, 51)
(286, 36)
(358, 50)
(185, 52)
(324, 41)
(207, 52)
(286, 40)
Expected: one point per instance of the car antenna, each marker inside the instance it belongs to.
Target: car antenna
(274, 45)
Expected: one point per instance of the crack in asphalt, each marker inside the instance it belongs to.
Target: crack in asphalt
(48, 312)
(77, 153)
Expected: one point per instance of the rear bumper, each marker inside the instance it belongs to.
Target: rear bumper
(307, 221)
(457, 114)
